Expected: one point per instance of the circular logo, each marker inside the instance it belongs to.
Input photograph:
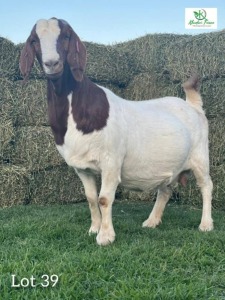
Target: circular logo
(200, 15)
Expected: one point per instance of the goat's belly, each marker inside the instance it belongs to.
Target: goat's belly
(149, 177)
(143, 180)
(156, 154)
(146, 170)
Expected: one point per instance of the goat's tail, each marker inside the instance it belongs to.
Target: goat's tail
(193, 97)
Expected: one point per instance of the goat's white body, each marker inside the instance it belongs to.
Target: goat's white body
(145, 145)
(151, 142)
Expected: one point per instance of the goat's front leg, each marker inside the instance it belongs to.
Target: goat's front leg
(89, 183)
(110, 181)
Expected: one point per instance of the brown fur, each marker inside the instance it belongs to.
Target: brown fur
(90, 107)
(103, 201)
(27, 56)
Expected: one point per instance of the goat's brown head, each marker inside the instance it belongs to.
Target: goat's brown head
(54, 43)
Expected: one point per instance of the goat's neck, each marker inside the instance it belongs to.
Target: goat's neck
(62, 86)
(90, 107)
(58, 105)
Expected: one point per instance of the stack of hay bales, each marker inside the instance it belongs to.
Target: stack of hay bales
(148, 67)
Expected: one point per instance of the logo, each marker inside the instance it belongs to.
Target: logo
(201, 18)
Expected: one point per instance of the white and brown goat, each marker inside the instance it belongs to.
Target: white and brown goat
(141, 145)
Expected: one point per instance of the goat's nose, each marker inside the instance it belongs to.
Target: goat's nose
(51, 63)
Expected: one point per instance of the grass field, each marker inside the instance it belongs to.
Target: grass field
(174, 261)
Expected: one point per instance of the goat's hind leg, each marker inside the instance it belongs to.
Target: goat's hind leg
(90, 187)
(204, 181)
(155, 216)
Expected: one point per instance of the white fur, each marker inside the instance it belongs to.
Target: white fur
(48, 32)
(145, 145)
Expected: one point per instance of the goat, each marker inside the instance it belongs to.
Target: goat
(141, 145)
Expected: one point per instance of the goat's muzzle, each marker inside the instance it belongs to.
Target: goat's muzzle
(53, 68)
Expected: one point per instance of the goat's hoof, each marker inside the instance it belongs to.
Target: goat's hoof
(151, 223)
(206, 226)
(94, 229)
(105, 238)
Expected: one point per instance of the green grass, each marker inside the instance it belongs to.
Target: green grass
(173, 261)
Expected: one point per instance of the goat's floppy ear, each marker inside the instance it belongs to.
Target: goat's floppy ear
(27, 57)
(76, 57)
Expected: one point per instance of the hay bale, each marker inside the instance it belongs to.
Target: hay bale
(212, 92)
(218, 178)
(34, 148)
(9, 59)
(6, 98)
(25, 105)
(114, 88)
(6, 122)
(203, 54)
(107, 64)
(56, 185)
(217, 142)
(30, 103)
(146, 54)
(6, 140)
(14, 187)
(148, 86)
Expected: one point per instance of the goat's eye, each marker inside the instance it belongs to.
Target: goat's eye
(33, 42)
(66, 37)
